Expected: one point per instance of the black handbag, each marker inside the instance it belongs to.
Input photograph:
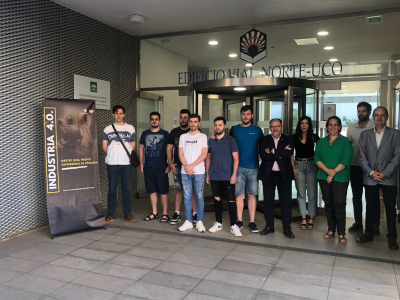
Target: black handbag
(133, 158)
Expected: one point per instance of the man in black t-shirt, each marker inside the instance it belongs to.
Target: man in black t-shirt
(176, 165)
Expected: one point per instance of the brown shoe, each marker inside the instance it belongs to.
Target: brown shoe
(288, 234)
(129, 218)
(365, 238)
(109, 219)
(266, 231)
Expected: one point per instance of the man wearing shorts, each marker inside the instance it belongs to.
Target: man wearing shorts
(221, 166)
(176, 165)
(247, 136)
(153, 143)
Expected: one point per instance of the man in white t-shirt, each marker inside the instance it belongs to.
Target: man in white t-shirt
(193, 149)
(356, 174)
(118, 163)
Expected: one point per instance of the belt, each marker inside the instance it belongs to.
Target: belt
(304, 159)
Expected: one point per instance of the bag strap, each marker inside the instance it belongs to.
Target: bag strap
(123, 145)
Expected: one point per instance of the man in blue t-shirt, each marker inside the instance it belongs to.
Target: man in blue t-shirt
(247, 136)
(153, 143)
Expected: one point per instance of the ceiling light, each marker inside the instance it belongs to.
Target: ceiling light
(306, 42)
(323, 33)
(249, 65)
(328, 48)
(136, 19)
(239, 88)
(286, 64)
(333, 59)
(213, 42)
(336, 69)
(261, 73)
(232, 55)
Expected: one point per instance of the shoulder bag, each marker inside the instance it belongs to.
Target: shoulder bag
(133, 158)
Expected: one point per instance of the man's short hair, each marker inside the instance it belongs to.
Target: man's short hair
(185, 111)
(220, 119)
(116, 107)
(155, 113)
(366, 105)
(192, 116)
(387, 113)
(276, 119)
(246, 108)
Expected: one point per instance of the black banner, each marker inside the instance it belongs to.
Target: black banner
(71, 163)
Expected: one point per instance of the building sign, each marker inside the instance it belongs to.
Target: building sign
(328, 110)
(253, 46)
(326, 69)
(92, 89)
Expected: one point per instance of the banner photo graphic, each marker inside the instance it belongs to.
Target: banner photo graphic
(71, 164)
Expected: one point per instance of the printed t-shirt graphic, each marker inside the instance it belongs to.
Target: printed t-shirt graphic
(116, 154)
(192, 146)
(155, 145)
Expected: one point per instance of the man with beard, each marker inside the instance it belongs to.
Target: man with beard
(153, 142)
(221, 167)
(276, 150)
(356, 174)
(176, 165)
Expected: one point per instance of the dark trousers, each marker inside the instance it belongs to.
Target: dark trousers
(373, 204)
(275, 180)
(334, 195)
(357, 186)
(114, 172)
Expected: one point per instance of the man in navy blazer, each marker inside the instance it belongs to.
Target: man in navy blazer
(276, 150)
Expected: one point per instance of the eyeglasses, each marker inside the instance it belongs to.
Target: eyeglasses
(272, 127)
(155, 119)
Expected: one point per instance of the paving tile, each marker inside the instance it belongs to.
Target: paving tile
(268, 295)
(272, 239)
(94, 254)
(74, 292)
(111, 230)
(91, 235)
(150, 253)
(291, 288)
(71, 241)
(299, 278)
(339, 294)
(103, 282)
(18, 265)
(245, 268)
(57, 273)
(134, 234)
(370, 276)
(252, 258)
(197, 296)
(193, 259)
(6, 275)
(171, 280)
(179, 239)
(299, 266)
(7, 293)
(110, 247)
(136, 261)
(364, 265)
(363, 251)
(156, 292)
(38, 255)
(212, 244)
(205, 252)
(183, 269)
(124, 240)
(125, 297)
(120, 271)
(246, 280)
(258, 250)
(173, 247)
(77, 263)
(308, 257)
(225, 290)
(56, 248)
(34, 284)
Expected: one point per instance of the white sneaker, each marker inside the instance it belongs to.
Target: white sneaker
(235, 230)
(200, 227)
(185, 226)
(216, 227)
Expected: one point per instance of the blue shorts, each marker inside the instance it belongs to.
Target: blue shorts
(246, 177)
(178, 181)
(156, 181)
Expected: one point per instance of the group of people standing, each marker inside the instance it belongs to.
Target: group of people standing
(368, 157)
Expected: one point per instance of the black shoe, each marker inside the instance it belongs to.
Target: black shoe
(376, 231)
(288, 233)
(253, 227)
(392, 243)
(365, 238)
(239, 224)
(356, 227)
(176, 218)
(194, 219)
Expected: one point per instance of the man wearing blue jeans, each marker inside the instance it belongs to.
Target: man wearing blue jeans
(118, 164)
(193, 150)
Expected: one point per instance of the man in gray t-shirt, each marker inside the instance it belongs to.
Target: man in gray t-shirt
(356, 174)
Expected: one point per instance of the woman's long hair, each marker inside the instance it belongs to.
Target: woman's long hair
(299, 134)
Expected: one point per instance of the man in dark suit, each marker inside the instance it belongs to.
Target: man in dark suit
(276, 170)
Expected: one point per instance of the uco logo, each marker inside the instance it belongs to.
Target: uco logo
(93, 86)
(253, 46)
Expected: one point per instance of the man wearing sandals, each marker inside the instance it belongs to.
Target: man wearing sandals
(153, 144)
(118, 164)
